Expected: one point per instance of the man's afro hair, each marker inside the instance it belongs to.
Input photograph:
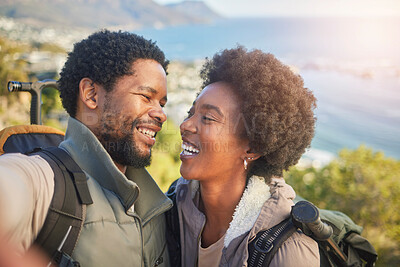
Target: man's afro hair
(103, 57)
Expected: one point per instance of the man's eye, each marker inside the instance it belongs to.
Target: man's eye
(147, 97)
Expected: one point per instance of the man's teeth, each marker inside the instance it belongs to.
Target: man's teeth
(189, 150)
(147, 132)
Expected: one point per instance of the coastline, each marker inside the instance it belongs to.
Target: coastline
(357, 98)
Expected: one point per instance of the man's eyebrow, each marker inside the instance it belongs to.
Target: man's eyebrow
(209, 106)
(148, 89)
(151, 90)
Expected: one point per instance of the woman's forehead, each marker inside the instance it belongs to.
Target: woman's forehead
(219, 94)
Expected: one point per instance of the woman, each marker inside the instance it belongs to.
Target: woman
(252, 120)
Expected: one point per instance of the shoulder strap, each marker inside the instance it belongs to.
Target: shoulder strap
(173, 232)
(266, 243)
(66, 163)
(67, 210)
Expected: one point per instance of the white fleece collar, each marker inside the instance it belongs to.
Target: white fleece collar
(248, 209)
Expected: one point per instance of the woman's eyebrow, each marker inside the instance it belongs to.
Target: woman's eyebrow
(212, 107)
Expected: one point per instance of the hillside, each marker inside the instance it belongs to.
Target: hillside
(125, 14)
(195, 9)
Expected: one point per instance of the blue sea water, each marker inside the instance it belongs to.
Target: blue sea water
(351, 64)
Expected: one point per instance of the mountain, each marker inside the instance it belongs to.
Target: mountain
(197, 9)
(125, 14)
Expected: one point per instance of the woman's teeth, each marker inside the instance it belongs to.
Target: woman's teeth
(189, 150)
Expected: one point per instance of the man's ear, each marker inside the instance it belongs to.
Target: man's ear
(88, 93)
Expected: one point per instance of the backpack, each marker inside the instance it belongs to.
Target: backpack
(339, 241)
(67, 210)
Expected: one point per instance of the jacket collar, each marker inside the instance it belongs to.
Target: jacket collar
(90, 155)
(277, 207)
(261, 206)
(247, 211)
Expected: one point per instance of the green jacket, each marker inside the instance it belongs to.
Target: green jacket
(125, 226)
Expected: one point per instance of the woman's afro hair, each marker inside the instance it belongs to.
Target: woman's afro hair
(103, 57)
(278, 111)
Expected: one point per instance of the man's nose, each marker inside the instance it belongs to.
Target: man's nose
(158, 114)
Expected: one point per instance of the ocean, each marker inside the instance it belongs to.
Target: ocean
(351, 64)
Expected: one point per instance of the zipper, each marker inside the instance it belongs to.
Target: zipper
(138, 222)
(160, 258)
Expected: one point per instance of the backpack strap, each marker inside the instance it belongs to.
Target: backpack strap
(173, 232)
(66, 163)
(266, 243)
(359, 248)
(67, 211)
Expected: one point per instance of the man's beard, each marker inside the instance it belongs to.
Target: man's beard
(116, 136)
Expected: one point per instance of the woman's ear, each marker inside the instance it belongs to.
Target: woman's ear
(250, 156)
(88, 93)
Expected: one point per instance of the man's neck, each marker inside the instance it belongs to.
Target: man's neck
(121, 167)
(86, 120)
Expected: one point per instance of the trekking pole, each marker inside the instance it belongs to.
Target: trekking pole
(306, 217)
(35, 89)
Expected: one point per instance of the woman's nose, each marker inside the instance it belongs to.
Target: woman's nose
(188, 126)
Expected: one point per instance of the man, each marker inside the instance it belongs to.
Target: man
(113, 85)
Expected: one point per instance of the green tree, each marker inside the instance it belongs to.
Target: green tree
(14, 67)
(165, 163)
(11, 65)
(366, 186)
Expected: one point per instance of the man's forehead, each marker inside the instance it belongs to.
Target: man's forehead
(138, 63)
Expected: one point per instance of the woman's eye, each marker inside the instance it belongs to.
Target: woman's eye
(189, 114)
(207, 118)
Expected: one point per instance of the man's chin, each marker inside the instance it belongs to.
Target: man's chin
(141, 159)
(134, 158)
(135, 162)
(144, 153)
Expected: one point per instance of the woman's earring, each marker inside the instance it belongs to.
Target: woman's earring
(245, 162)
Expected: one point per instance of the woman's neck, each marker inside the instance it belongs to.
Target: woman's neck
(218, 200)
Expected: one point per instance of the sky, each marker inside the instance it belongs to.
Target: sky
(257, 8)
